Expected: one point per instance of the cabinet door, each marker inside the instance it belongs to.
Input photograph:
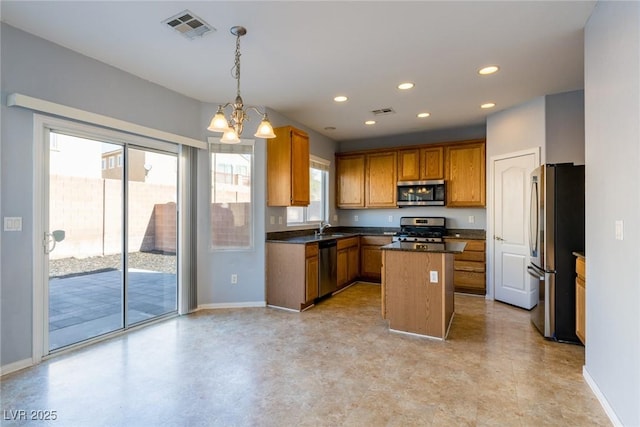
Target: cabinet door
(381, 184)
(371, 262)
(350, 181)
(343, 268)
(288, 168)
(299, 168)
(465, 171)
(409, 165)
(353, 270)
(312, 278)
(432, 163)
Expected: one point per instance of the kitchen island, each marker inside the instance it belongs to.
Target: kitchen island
(417, 287)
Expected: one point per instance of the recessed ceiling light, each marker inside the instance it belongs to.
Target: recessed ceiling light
(405, 86)
(370, 122)
(490, 69)
(340, 98)
(488, 105)
(421, 115)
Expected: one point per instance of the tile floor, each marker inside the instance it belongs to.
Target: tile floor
(336, 364)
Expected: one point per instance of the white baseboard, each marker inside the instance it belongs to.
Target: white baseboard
(603, 400)
(15, 366)
(218, 305)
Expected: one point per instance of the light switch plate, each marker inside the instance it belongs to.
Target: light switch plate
(12, 223)
(619, 230)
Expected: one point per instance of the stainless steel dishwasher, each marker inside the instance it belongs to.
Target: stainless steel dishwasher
(328, 267)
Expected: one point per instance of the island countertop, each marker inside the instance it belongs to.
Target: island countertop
(447, 247)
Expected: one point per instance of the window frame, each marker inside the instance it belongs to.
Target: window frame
(229, 149)
(323, 165)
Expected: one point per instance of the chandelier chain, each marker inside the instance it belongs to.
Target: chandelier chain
(235, 71)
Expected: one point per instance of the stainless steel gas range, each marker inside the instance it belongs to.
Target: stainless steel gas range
(421, 229)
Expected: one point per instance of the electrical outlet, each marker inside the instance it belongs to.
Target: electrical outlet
(280, 220)
(433, 276)
(335, 217)
(12, 223)
(272, 220)
(472, 219)
(355, 218)
(234, 279)
(390, 218)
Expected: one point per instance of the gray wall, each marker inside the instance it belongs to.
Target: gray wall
(216, 267)
(38, 68)
(517, 128)
(564, 116)
(427, 137)
(612, 111)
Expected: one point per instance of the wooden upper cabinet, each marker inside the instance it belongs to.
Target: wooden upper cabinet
(288, 168)
(409, 165)
(432, 163)
(350, 181)
(381, 184)
(421, 164)
(465, 175)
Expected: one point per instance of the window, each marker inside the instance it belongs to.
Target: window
(319, 195)
(104, 164)
(111, 162)
(231, 199)
(119, 161)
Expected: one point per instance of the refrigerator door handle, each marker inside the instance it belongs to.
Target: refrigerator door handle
(533, 271)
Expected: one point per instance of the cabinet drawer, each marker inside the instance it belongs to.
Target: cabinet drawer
(477, 267)
(468, 279)
(347, 243)
(375, 240)
(581, 268)
(470, 256)
(311, 250)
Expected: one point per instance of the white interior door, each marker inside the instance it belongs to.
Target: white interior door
(512, 283)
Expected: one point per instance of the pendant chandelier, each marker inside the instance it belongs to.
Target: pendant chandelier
(232, 129)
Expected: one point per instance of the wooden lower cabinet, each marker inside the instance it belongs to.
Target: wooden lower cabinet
(348, 260)
(469, 275)
(371, 256)
(292, 275)
(581, 293)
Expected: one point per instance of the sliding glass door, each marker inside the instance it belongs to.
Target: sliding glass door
(151, 235)
(111, 237)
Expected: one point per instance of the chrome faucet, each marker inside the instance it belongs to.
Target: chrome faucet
(323, 226)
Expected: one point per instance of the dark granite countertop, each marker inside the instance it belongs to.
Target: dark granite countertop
(466, 233)
(307, 236)
(449, 247)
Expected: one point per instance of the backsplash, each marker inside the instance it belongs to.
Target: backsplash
(456, 218)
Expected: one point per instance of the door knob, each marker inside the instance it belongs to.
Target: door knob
(498, 238)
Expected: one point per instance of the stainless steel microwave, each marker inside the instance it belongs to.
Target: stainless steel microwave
(421, 193)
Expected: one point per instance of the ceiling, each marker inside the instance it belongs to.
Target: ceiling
(297, 56)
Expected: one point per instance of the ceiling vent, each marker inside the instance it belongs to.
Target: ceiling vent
(383, 111)
(189, 25)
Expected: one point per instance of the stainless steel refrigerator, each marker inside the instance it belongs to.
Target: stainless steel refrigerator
(556, 230)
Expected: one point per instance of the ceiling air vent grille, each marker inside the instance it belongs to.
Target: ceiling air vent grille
(383, 111)
(189, 25)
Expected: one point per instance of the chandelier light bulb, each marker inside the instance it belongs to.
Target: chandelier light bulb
(230, 137)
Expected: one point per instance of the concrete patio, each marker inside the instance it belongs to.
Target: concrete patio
(87, 305)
